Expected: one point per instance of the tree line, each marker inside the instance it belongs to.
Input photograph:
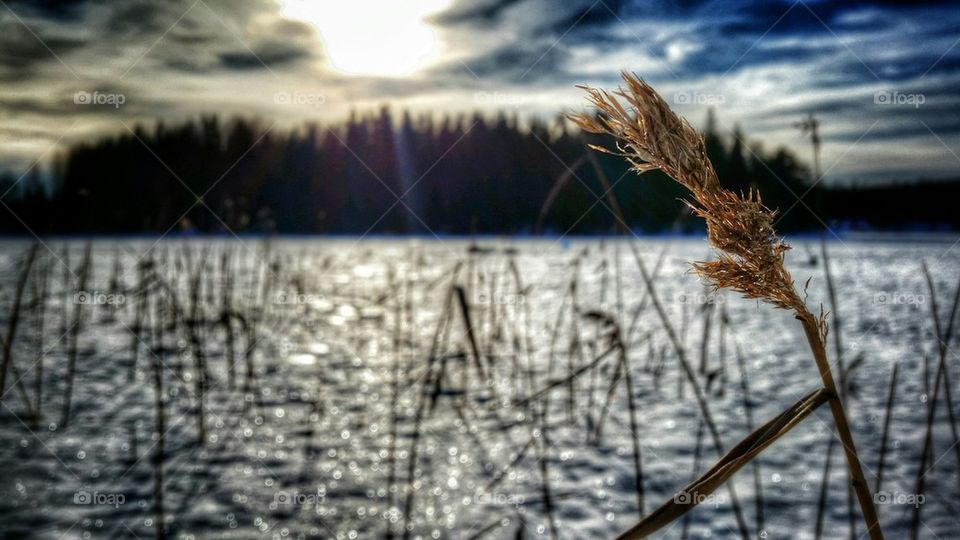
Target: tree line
(378, 174)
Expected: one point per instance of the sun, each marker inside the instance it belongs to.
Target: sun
(372, 37)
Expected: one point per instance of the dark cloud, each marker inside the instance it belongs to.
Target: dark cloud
(474, 12)
(374, 88)
(136, 17)
(263, 56)
(58, 9)
(591, 13)
(753, 18)
(719, 61)
(897, 126)
(24, 50)
(522, 65)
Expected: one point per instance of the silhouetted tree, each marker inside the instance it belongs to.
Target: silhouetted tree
(455, 174)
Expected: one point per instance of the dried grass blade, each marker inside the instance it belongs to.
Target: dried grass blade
(888, 416)
(468, 325)
(730, 463)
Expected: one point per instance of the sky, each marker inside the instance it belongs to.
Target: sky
(882, 77)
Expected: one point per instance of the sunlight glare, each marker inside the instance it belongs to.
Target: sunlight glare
(372, 37)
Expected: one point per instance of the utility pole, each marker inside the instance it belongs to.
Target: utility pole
(811, 126)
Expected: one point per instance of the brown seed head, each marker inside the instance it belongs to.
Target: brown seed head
(650, 136)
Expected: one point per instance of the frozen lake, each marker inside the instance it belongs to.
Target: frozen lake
(331, 369)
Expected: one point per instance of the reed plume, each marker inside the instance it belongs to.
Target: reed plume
(750, 258)
(650, 136)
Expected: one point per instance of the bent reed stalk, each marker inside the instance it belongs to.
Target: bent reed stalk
(750, 255)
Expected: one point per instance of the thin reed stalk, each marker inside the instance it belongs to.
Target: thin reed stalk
(697, 453)
(424, 401)
(227, 318)
(887, 417)
(194, 324)
(505, 470)
(136, 330)
(160, 425)
(943, 337)
(132, 451)
(691, 379)
(613, 333)
(41, 290)
(748, 414)
(615, 377)
(471, 333)
(524, 341)
(556, 383)
(74, 334)
(634, 437)
(543, 457)
(65, 289)
(705, 337)
(14, 320)
(719, 374)
(394, 404)
(841, 370)
(824, 490)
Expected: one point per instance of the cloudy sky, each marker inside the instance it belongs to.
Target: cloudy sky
(883, 77)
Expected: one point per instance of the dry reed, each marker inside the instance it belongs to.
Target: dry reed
(84, 276)
(750, 254)
(9, 363)
(748, 413)
(40, 293)
(887, 417)
(160, 424)
(14, 320)
(842, 371)
(943, 337)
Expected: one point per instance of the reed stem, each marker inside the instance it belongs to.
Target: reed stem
(857, 479)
